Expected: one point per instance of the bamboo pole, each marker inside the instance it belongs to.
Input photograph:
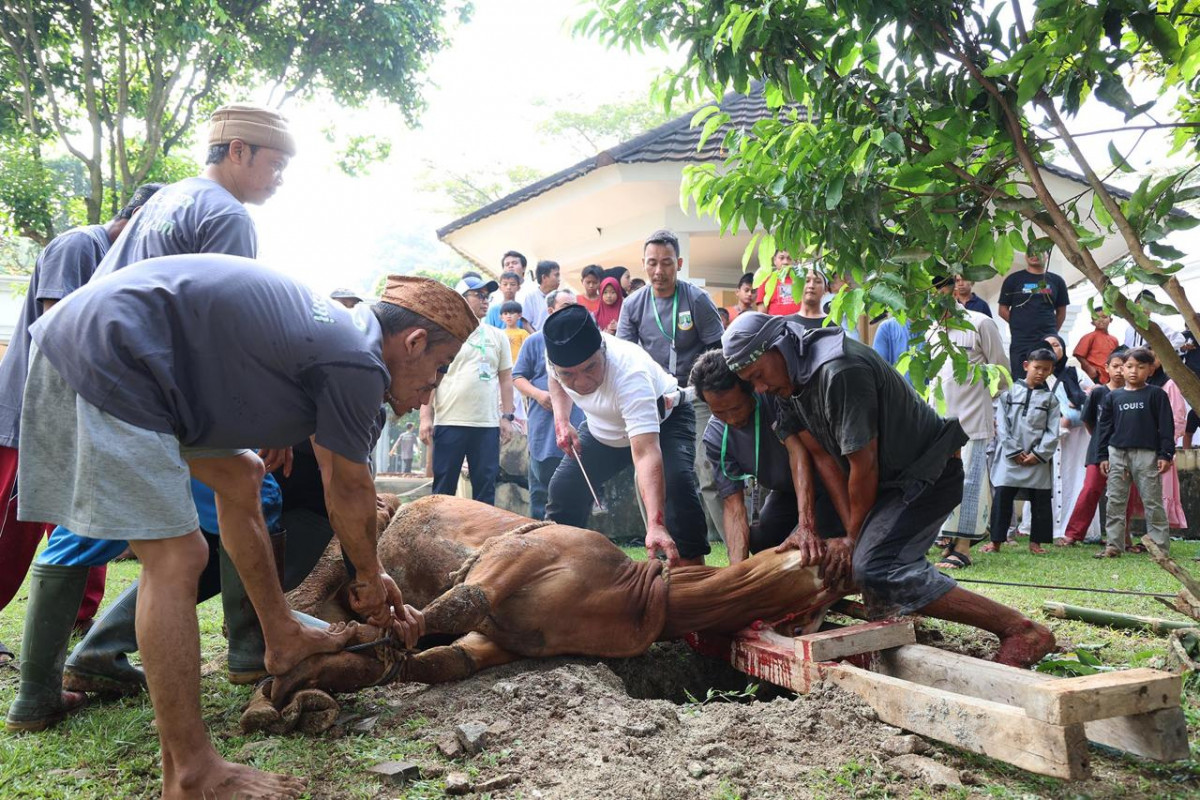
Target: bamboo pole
(1112, 619)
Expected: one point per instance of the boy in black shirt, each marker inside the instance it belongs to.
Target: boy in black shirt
(1137, 444)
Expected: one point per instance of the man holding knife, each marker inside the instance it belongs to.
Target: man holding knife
(636, 415)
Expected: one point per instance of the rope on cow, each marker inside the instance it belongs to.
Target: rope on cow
(460, 574)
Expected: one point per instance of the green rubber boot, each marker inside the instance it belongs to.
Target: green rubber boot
(55, 592)
(100, 662)
(247, 648)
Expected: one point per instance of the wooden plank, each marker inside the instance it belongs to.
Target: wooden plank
(854, 640)
(767, 655)
(1159, 735)
(1102, 696)
(980, 726)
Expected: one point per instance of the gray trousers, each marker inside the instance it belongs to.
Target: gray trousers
(1127, 468)
(709, 497)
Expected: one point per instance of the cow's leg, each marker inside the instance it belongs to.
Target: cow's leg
(470, 654)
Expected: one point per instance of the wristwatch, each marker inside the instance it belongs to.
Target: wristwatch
(509, 417)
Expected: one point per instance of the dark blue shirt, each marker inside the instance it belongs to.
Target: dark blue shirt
(531, 365)
(977, 303)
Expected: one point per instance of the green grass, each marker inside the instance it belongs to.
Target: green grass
(111, 751)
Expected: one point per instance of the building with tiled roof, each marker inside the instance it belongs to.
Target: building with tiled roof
(599, 210)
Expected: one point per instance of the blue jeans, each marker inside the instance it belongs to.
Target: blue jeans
(479, 446)
(540, 473)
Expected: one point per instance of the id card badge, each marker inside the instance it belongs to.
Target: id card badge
(672, 362)
(755, 506)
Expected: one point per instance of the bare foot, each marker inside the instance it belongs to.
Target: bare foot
(302, 641)
(1025, 644)
(227, 781)
(1037, 549)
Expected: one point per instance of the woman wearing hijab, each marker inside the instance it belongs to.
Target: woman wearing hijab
(1070, 460)
(609, 310)
(623, 278)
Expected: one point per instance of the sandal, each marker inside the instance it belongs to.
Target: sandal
(954, 560)
(943, 542)
(6, 655)
(1037, 549)
(1108, 552)
(1136, 548)
(990, 547)
(1065, 542)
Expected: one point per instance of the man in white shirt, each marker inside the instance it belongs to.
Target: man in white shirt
(532, 297)
(636, 415)
(464, 419)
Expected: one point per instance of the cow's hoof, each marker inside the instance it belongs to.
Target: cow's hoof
(311, 711)
(260, 714)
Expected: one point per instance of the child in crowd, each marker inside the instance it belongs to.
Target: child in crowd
(1093, 350)
(609, 311)
(1094, 480)
(1137, 445)
(1027, 422)
(510, 315)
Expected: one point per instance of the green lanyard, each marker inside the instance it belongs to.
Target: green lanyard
(757, 441)
(674, 315)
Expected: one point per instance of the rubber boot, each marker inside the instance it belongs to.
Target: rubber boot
(99, 663)
(54, 595)
(247, 648)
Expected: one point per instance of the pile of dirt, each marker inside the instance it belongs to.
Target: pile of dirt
(573, 728)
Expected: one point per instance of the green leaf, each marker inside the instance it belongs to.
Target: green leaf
(1118, 160)
(833, 194)
(772, 283)
(893, 143)
(1166, 251)
(1032, 78)
(886, 295)
(766, 250)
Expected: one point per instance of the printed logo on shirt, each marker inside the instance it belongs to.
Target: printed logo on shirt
(1036, 288)
(156, 217)
(685, 321)
(1134, 406)
(320, 310)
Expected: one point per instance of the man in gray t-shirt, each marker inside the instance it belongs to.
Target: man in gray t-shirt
(675, 322)
(163, 371)
(248, 150)
(66, 264)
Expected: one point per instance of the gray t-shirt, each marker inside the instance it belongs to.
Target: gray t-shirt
(696, 328)
(222, 352)
(66, 264)
(194, 215)
(772, 467)
(857, 397)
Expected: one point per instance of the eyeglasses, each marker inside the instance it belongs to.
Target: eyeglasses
(477, 295)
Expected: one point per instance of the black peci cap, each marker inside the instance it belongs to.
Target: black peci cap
(571, 336)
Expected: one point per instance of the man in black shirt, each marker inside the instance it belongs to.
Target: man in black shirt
(1034, 304)
(890, 464)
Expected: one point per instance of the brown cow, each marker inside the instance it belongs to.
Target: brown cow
(514, 588)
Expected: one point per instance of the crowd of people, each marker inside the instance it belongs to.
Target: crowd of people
(1034, 459)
